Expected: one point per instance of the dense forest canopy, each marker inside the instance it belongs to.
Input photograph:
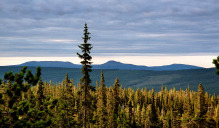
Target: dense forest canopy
(25, 103)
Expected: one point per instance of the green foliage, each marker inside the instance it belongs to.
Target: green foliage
(66, 110)
(20, 110)
(201, 107)
(152, 113)
(9, 76)
(122, 119)
(115, 102)
(101, 103)
(33, 80)
(216, 63)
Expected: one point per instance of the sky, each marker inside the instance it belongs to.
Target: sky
(142, 32)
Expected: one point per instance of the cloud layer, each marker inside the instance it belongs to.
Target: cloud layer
(55, 27)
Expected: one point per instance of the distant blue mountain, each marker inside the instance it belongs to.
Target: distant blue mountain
(50, 64)
(109, 65)
(174, 67)
(118, 65)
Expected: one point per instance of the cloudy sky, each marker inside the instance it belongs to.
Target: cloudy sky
(145, 32)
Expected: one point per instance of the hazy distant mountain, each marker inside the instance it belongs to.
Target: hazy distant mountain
(109, 65)
(118, 65)
(50, 64)
(174, 67)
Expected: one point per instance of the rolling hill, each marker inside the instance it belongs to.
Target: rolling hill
(109, 65)
(134, 78)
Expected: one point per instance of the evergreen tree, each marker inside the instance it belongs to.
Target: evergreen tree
(41, 114)
(40, 95)
(138, 116)
(17, 108)
(122, 120)
(152, 113)
(116, 102)
(216, 117)
(110, 108)
(201, 101)
(138, 98)
(67, 109)
(201, 109)
(188, 110)
(101, 110)
(130, 114)
(216, 63)
(86, 62)
(168, 120)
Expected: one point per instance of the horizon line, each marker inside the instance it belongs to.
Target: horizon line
(107, 62)
(149, 61)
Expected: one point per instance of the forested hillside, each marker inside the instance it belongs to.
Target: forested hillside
(136, 79)
(28, 102)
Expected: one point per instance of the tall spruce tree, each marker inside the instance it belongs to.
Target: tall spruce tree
(86, 62)
(188, 110)
(201, 101)
(102, 101)
(110, 107)
(201, 109)
(116, 102)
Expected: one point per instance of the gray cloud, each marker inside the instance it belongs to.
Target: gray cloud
(55, 28)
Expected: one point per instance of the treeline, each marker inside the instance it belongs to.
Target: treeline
(28, 102)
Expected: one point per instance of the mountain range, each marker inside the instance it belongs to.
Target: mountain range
(109, 65)
(177, 76)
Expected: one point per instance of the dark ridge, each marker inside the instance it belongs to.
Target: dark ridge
(109, 65)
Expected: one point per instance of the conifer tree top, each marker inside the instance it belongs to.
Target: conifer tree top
(85, 56)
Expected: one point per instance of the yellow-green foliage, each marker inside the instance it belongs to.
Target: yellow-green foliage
(138, 108)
